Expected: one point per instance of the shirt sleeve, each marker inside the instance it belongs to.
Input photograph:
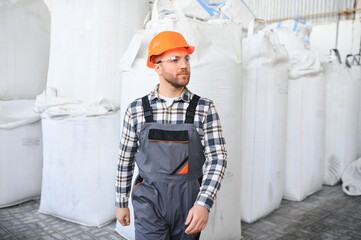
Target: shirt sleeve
(125, 167)
(215, 162)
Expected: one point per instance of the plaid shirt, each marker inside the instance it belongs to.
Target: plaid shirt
(208, 126)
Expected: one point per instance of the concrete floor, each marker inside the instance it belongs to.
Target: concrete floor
(327, 214)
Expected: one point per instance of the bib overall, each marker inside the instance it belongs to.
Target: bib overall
(170, 161)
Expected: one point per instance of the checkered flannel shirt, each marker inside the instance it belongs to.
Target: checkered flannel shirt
(208, 126)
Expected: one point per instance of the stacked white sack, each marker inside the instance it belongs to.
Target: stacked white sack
(25, 40)
(79, 168)
(193, 9)
(80, 105)
(88, 39)
(238, 11)
(206, 10)
(24, 48)
(263, 124)
(21, 152)
(216, 74)
(293, 34)
(305, 114)
(355, 64)
(342, 105)
(351, 177)
(305, 149)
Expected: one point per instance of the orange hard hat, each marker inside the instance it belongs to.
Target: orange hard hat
(165, 41)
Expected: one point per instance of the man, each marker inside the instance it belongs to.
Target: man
(175, 137)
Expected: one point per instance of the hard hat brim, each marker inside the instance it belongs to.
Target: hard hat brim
(189, 49)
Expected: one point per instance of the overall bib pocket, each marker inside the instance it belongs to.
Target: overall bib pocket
(170, 145)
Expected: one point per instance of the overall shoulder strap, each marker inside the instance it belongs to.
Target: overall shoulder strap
(147, 109)
(192, 109)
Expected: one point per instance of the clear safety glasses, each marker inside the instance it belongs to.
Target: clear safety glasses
(175, 59)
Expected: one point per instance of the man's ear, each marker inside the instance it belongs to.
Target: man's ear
(158, 69)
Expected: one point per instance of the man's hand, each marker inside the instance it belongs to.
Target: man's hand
(123, 216)
(197, 219)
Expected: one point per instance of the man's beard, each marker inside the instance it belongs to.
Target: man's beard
(180, 80)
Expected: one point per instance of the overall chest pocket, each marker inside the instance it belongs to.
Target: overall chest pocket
(168, 151)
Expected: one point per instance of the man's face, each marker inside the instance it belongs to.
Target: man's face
(173, 67)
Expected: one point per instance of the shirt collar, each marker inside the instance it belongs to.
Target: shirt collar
(185, 96)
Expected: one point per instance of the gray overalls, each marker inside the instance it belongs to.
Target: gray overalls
(170, 161)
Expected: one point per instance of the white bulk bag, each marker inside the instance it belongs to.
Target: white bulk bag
(24, 48)
(216, 74)
(342, 103)
(293, 34)
(20, 152)
(200, 9)
(351, 178)
(238, 12)
(353, 61)
(305, 149)
(299, 27)
(79, 168)
(263, 125)
(88, 38)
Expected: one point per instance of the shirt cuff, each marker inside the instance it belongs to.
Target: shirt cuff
(123, 203)
(204, 201)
